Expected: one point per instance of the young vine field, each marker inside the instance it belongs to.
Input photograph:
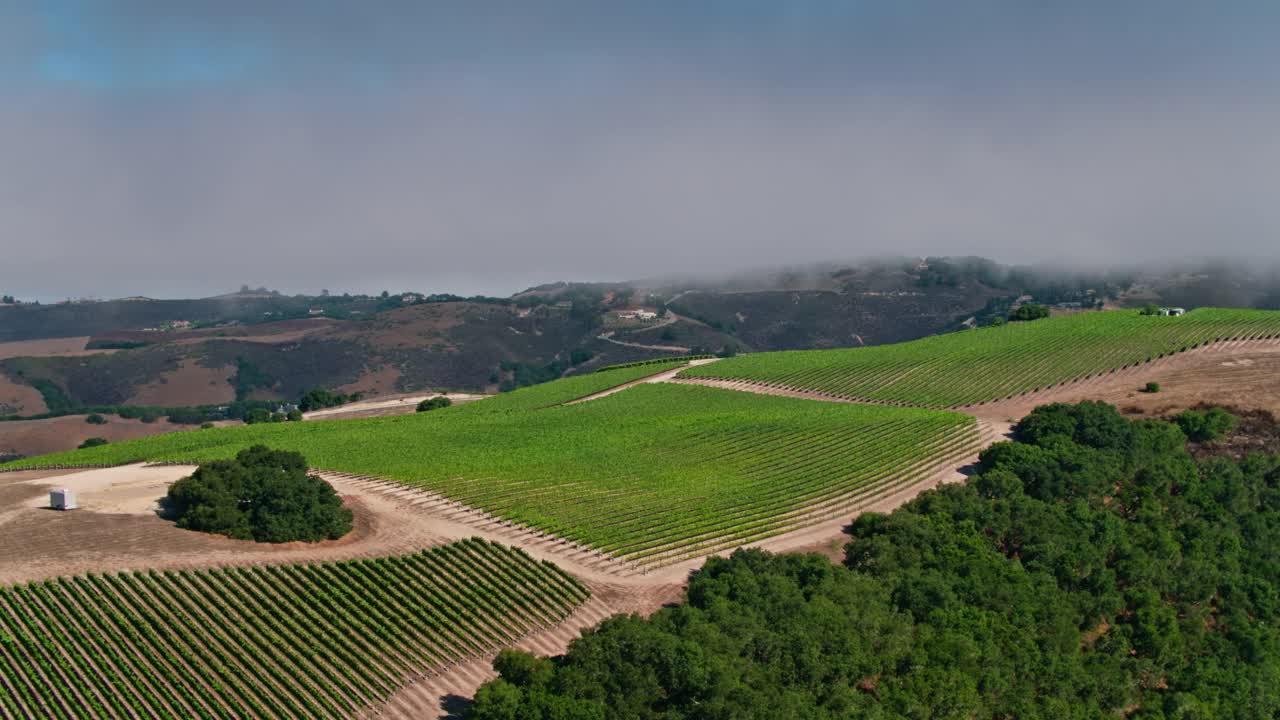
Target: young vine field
(312, 640)
(993, 363)
(654, 474)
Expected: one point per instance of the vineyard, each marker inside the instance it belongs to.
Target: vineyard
(994, 363)
(654, 474)
(318, 640)
(536, 397)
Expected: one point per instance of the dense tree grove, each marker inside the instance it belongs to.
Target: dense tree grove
(1090, 569)
(1028, 312)
(434, 403)
(264, 495)
(320, 398)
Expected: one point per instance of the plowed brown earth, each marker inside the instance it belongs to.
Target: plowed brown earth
(19, 399)
(1245, 375)
(39, 437)
(189, 384)
(48, 346)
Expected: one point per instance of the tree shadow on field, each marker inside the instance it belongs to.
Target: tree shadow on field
(455, 705)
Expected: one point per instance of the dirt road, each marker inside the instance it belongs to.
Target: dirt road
(398, 405)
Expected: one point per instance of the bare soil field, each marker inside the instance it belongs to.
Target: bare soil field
(381, 381)
(19, 399)
(48, 346)
(1244, 375)
(39, 437)
(190, 384)
(117, 527)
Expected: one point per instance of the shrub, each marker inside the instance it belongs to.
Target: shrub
(264, 495)
(1150, 309)
(1151, 387)
(206, 426)
(294, 416)
(1029, 312)
(257, 415)
(1205, 426)
(96, 419)
(434, 403)
(93, 442)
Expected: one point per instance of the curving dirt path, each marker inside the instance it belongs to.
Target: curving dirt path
(663, 376)
(377, 407)
(608, 337)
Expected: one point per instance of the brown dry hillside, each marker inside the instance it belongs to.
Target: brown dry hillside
(39, 437)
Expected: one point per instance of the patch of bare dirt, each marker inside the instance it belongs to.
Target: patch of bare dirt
(374, 382)
(1242, 375)
(189, 384)
(1256, 431)
(383, 406)
(19, 399)
(117, 528)
(70, 346)
(40, 437)
(410, 327)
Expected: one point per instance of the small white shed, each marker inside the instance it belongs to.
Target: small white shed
(62, 499)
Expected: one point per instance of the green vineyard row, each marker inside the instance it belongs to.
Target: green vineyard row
(320, 640)
(993, 363)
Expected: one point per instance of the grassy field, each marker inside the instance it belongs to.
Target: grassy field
(318, 640)
(993, 363)
(654, 474)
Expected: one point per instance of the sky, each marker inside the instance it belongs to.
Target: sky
(175, 148)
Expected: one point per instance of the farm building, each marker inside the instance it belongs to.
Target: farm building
(1172, 311)
(62, 499)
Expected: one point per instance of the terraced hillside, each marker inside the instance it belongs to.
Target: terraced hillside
(320, 640)
(654, 474)
(993, 363)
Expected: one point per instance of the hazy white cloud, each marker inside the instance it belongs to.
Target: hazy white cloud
(519, 150)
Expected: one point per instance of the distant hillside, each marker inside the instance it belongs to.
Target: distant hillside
(263, 345)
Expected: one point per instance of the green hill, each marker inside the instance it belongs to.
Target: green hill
(993, 363)
(653, 474)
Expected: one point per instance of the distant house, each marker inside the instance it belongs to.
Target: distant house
(410, 298)
(1172, 311)
(315, 311)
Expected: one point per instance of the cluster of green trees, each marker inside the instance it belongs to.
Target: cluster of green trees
(1027, 312)
(320, 398)
(434, 403)
(264, 415)
(264, 495)
(1205, 426)
(248, 378)
(8, 300)
(525, 374)
(1090, 569)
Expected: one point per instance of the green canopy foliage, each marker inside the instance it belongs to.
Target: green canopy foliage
(264, 495)
(1090, 569)
(434, 403)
